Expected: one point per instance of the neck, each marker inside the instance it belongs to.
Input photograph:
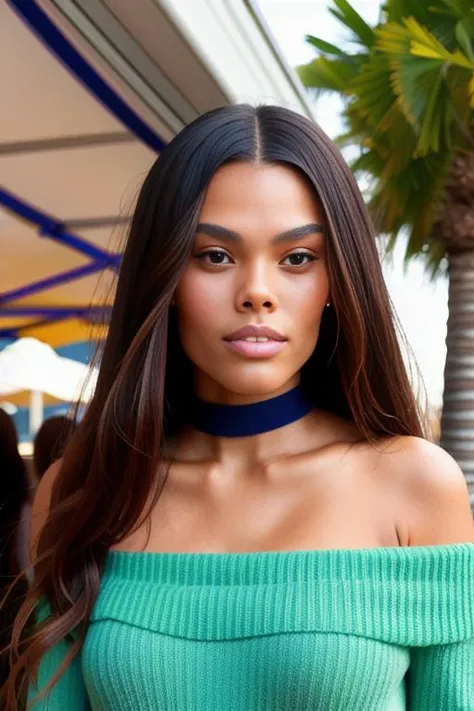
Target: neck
(249, 419)
(256, 426)
(208, 390)
(242, 454)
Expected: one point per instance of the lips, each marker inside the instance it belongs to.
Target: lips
(253, 331)
(256, 341)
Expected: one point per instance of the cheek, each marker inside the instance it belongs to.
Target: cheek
(307, 305)
(307, 302)
(200, 305)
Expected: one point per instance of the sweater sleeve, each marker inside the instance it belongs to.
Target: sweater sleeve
(441, 677)
(69, 692)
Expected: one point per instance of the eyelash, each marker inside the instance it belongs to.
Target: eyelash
(308, 255)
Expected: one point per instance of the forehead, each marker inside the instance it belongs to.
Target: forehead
(272, 193)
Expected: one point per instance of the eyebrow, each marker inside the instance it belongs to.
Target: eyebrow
(224, 233)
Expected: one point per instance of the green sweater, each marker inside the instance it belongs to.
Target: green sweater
(373, 629)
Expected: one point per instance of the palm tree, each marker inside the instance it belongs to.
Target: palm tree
(408, 90)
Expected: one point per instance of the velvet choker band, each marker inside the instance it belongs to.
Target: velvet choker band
(250, 419)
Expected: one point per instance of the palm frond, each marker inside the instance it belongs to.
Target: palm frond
(464, 32)
(397, 10)
(369, 161)
(409, 108)
(324, 46)
(420, 66)
(371, 98)
(346, 14)
(328, 74)
(461, 8)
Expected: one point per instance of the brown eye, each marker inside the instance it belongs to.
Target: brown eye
(214, 257)
(299, 259)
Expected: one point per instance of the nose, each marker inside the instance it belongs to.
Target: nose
(256, 293)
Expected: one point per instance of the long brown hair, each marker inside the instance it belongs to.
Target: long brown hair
(114, 468)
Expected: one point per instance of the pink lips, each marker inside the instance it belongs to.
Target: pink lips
(256, 349)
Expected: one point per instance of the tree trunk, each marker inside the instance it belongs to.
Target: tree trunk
(457, 422)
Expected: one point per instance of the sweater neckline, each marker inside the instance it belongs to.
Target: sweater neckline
(116, 555)
(418, 595)
(267, 566)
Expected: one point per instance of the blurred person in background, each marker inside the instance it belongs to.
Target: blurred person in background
(15, 511)
(50, 441)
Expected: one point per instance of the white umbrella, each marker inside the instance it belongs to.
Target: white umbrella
(29, 364)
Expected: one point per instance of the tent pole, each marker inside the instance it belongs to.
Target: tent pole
(36, 411)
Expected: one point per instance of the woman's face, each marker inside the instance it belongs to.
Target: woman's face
(258, 259)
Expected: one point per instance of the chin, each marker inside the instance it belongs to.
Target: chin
(254, 380)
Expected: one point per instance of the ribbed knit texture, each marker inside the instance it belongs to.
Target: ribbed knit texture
(374, 629)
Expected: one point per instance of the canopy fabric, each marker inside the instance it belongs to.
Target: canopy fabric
(28, 364)
(93, 92)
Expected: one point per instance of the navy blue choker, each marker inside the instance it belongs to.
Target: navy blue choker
(250, 419)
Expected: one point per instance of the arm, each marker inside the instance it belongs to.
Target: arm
(428, 491)
(437, 511)
(437, 498)
(69, 692)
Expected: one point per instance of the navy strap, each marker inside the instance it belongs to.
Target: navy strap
(249, 419)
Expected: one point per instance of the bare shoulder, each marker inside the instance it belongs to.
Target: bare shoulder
(432, 489)
(41, 504)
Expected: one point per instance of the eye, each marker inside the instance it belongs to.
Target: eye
(214, 257)
(298, 259)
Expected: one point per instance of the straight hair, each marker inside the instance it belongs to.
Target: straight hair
(115, 466)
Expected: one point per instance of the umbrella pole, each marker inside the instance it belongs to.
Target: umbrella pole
(36, 411)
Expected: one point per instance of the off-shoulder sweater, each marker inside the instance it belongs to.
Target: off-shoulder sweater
(372, 629)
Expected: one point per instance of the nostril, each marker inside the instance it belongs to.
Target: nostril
(251, 304)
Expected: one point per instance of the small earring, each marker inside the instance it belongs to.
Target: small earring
(328, 304)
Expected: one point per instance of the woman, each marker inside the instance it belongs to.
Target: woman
(248, 516)
(15, 506)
